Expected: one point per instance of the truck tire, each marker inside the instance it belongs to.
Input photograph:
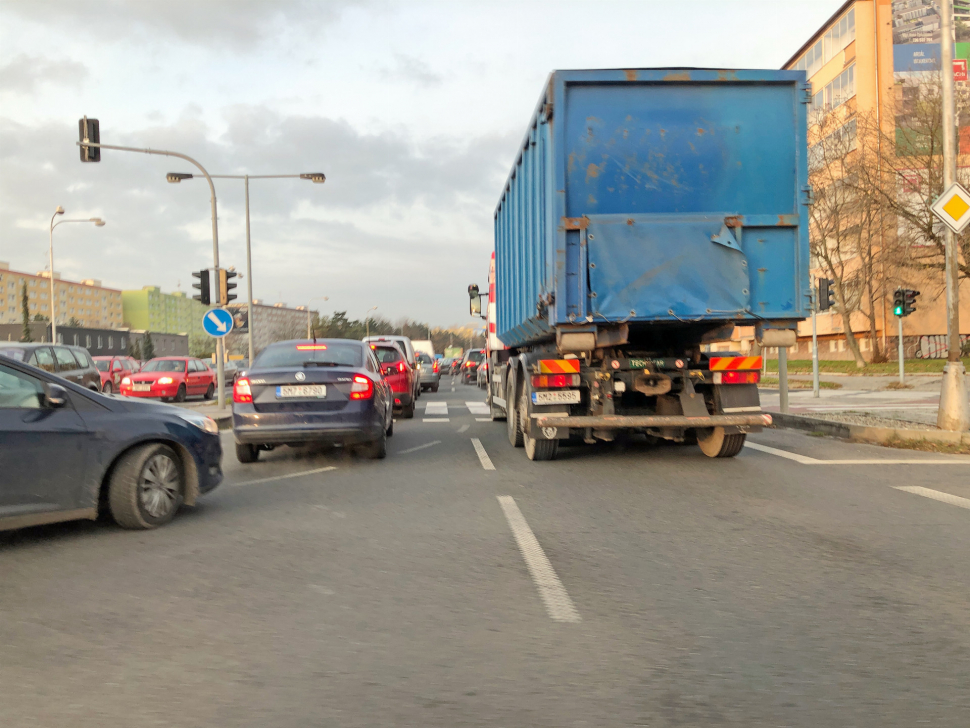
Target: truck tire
(715, 444)
(541, 450)
(512, 424)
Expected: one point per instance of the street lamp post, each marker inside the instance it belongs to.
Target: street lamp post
(316, 298)
(315, 177)
(220, 355)
(98, 222)
(367, 318)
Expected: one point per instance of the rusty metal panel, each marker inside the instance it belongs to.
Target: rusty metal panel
(637, 143)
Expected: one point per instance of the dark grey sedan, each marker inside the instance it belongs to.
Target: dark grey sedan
(324, 390)
(68, 453)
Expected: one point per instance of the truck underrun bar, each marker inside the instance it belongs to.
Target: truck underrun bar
(618, 421)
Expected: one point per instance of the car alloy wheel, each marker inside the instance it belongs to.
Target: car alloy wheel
(180, 394)
(158, 485)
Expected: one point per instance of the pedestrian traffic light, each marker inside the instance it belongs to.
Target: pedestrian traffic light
(899, 302)
(226, 285)
(826, 294)
(88, 132)
(909, 304)
(203, 285)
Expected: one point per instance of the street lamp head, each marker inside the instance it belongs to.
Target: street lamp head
(318, 178)
(59, 210)
(98, 222)
(176, 177)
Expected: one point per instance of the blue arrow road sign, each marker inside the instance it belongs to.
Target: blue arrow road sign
(217, 322)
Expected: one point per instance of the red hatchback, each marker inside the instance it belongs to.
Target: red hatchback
(398, 375)
(171, 378)
(113, 369)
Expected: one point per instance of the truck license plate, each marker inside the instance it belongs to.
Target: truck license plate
(565, 396)
(305, 391)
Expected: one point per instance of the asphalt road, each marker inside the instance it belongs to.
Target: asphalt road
(621, 585)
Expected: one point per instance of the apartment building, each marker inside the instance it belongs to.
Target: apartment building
(86, 302)
(276, 322)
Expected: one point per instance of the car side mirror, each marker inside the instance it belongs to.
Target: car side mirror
(55, 396)
(474, 300)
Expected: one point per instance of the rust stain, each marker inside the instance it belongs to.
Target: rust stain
(701, 131)
(727, 76)
(681, 76)
(629, 221)
(575, 223)
(631, 74)
(734, 221)
(592, 171)
(787, 220)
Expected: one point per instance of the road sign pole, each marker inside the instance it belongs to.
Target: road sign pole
(902, 369)
(815, 384)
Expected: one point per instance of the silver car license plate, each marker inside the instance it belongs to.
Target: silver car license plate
(302, 391)
(565, 396)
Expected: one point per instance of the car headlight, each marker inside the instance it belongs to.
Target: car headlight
(201, 421)
(164, 380)
(126, 381)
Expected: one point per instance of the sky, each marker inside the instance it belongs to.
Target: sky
(414, 111)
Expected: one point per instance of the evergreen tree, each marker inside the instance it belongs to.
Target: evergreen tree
(134, 348)
(148, 348)
(25, 307)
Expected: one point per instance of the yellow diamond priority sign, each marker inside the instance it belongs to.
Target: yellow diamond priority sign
(953, 207)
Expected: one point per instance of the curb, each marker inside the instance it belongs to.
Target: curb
(862, 433)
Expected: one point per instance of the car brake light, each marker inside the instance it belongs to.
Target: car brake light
(469, 363)
(434, 367)
(165, 380)
(737, 377)
(311, 347)
(555, 380)
(241, 391)
(362, 388)
(402, 367)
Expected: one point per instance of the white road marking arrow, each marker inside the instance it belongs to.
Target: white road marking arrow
(215, 319)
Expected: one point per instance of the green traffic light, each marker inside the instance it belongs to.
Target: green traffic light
(898, 311)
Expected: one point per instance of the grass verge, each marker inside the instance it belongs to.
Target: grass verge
(913, 366)
(948, 448)
(798, 383)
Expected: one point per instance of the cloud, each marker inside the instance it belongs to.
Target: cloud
(24, 73)
(236, 24)
(411, 70)
(397, 222)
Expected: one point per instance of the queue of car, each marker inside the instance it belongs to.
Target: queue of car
(88, 435)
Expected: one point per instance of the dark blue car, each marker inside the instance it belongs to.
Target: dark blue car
(325, 390)
(67, 453)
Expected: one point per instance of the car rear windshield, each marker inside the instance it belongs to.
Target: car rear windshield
(424, 359)
(301, 355)
(387, 354)
(13, 353)
(102, 366)
(476, 356)
(164, 365)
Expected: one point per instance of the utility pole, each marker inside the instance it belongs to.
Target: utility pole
(954, 411)
(815, 384)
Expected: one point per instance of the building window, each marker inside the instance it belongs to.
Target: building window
(111, 339)
(99, 338)
(87, 339)
(75, 335)
(832, 43)
(840, 90)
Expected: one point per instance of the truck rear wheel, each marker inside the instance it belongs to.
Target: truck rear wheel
(512, 424)
(541, 449)
(716, 444)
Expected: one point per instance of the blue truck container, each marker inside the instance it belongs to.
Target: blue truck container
(657, 197)
(649, 212)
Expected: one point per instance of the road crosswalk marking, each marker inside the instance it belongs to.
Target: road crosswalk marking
(433, 409)
(558, 604)
(477, 408)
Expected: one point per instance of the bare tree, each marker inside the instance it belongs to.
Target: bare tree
(844, 221)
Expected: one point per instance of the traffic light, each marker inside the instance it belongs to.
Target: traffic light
(826, 294)
(226, 285)
(909, 304)
(899, 302)
(203, 285)
(88, 131)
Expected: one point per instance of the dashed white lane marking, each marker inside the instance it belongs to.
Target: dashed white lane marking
(483, 419)
(287, 475)
(452, 389)
(420, 447)
(463, 428)
(558, 604)
(436, 408)
(482, 455)
(477, 408)
(953, 500)
(438, 419)
(805, 460)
